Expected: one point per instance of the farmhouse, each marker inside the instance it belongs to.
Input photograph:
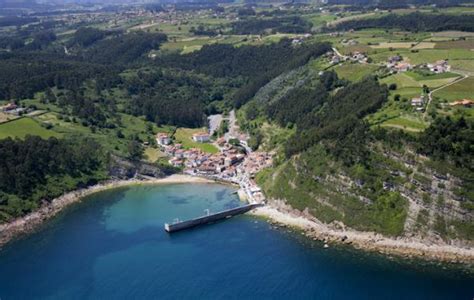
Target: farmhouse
(394, 59)
(175, 162)
(402, 67)
(418, 101)
(441, 66)
(162, 139)
(201, 137)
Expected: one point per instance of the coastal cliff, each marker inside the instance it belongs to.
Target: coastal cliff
(416, 210)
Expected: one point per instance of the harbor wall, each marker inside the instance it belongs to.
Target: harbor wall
(210, 218)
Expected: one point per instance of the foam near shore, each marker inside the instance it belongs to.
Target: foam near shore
(406, 247)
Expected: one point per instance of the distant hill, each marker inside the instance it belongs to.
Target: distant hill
(17, 3)
(398, 3)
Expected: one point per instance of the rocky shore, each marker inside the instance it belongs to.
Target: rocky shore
(30, 222)
(276, 211)
(337, 233)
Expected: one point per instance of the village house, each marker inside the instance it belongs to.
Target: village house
(401, 67)
(441, 66)
(358, 56)
(417, 101)
(201, 137)
(394, 59)
(162, 139)
(176, 162)
(233, 159)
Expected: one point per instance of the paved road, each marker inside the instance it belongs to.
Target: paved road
(430, 94)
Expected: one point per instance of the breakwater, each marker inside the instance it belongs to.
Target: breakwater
(209, 218)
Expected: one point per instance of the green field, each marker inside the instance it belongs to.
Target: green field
(412, 80)
(460, 44)
(457, 91)
(23, 127)
(184, 137)
(131, 126)
(153, 154)
(355, 71)
(319, 20)
(408, 123)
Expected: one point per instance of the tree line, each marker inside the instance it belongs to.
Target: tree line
(412, 22)
(34, 169)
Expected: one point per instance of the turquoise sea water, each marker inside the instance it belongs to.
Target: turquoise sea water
(113, 246)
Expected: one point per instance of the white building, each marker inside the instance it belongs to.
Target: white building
(163, 139)
(419, 101)
(440, 66)
(201, 137)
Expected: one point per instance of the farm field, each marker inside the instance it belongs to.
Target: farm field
(407, 80)
(355, 71)
(457, 91)
(453, 34)
(460, 44)
(6, 117)
(24, 126)
(184, 136)
(401, 45)
(319, 20)
(407, 123)
(131, 126)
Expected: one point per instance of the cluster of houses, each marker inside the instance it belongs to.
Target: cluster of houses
(230, 164)
(356, 56)
(396, 64)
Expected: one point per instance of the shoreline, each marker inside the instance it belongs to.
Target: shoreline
(31, 221)
(367, 241)
(280, 214)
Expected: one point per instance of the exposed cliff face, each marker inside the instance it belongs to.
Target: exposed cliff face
(125, 169)
(401, 197)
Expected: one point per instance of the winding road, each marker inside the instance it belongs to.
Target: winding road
(430, 94)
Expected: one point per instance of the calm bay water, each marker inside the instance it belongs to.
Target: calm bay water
(113, 246)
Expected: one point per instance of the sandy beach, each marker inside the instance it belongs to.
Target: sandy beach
(30, 222)
(406, 247)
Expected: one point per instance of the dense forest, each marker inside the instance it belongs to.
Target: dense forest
(34, 170)
(253, 65)
(413, 22)
(339, 121)
(181, 90)
(281, 24)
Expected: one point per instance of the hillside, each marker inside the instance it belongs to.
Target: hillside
(367, 109)
(336, 167)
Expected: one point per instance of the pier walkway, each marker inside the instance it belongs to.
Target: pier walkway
(181, 225)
